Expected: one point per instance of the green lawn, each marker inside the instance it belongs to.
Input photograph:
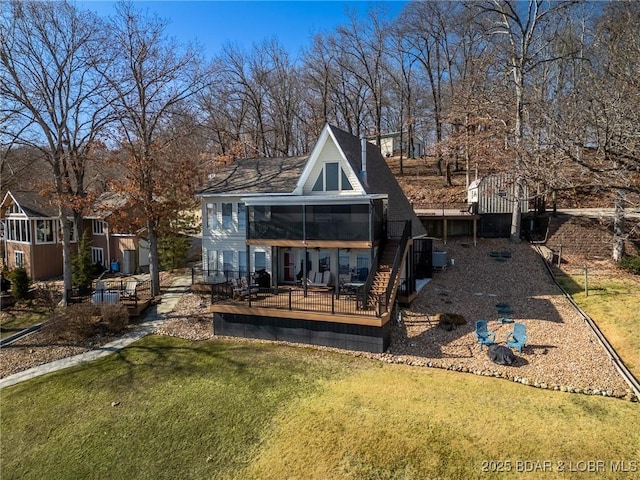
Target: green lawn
(613, 304)
(209, 410)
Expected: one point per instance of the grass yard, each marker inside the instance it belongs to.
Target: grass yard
(221, 410)
(613, 303)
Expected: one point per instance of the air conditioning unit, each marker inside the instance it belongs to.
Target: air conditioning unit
(439, 259)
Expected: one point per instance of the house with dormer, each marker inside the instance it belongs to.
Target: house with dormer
(313, 249)
(32, 237)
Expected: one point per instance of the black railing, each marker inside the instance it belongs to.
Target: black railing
(113, 291)
(295, 299)
(397, 262)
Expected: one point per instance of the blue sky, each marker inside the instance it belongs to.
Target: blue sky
(214, 23)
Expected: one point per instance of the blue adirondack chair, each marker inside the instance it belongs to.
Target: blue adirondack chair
(483, 334)
(518, 337)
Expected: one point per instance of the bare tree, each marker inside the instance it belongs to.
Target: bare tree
(50, 90)
(152, 81)
(526, 31)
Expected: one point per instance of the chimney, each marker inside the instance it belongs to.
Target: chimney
(363, 170)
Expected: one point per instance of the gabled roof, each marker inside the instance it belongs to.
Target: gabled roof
(32, 204)
(257, 175)
(283, 175)
(380, 178)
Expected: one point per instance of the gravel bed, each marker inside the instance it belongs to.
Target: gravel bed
(562, 353)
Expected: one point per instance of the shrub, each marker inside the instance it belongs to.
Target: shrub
(83, 270)
(20, 283)
(74, 323)
(114, 317)
(48, 295)
(630, 264)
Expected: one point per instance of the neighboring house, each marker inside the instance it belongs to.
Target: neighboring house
(330, 238)
(392, 143)
(32, 236)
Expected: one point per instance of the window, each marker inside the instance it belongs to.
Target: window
(242, 217)
(227, 219)
(332, 178)
(242, 263)
(212, 216)
(98, 227)
(18, 230)
(259, 261)
(44, 231)
(324, 262)
(343, 262)
(227, 262)
(212, 261)
(18, 258)
(97, 255)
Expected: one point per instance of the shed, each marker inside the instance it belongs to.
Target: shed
(495, 194)
(493, 198)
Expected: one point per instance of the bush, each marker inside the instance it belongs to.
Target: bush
(114, 317)
(48, 295)
(75, 323)
(630, 264)
(20, 283)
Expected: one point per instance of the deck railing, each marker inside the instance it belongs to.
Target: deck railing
(294, 298)
(112, 291)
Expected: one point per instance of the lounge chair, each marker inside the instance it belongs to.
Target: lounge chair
(518, 337)
(483, 334)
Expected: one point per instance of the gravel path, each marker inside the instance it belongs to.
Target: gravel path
(562, 352)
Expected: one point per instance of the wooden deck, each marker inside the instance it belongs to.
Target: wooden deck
(317, 305)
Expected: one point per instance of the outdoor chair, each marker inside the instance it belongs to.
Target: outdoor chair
(129, 291)
(483, 334)
(518, 337)
(318, 279)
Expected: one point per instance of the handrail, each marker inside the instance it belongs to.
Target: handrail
(363, 293)
(397, 261)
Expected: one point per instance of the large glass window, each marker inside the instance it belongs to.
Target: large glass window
(343, 263)
(18, 230)
(331, 175)
(331, 178)
(44, 231)
(227, 216)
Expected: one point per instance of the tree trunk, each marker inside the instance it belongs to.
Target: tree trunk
(618, 226)
(153, 258)
(517, 211)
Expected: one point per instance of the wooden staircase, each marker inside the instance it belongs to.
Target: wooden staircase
(383, 274)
